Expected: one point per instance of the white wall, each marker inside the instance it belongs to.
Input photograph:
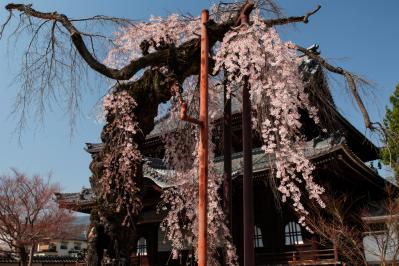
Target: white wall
(70, 246)
(379, 246)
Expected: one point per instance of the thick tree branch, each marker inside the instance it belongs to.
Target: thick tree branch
(157, 58)
(283, 21)
(245, 11)
(124, 73)
(350, 78)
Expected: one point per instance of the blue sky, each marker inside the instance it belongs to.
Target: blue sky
(359, 35)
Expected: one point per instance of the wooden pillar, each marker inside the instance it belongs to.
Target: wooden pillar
(227, 181)
(249, 253)
(336, 256)
(227, 185)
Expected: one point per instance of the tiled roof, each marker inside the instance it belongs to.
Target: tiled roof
(262, 161)
(155, 170)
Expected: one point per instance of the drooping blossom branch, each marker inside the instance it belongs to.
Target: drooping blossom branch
(134, 41)
(122, 158)
(256, 53)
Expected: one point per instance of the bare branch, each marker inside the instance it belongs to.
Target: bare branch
(3, 26)
(350, 78)
(121, 21)
(355, 94)
(283, 21)
(120, 74)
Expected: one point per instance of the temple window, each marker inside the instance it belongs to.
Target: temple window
(142, 247)
(258, 241)
(293, 234)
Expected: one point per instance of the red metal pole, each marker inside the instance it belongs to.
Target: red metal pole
(203, 146)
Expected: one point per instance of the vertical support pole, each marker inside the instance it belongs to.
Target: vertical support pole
(203, 147)
(336, 257)
(294, 256)
(249, 254)
(227, 188)
(227, 182)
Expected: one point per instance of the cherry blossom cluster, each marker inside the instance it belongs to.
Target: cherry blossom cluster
(174, 30)
(181, 200)
(121, 156)
(255, 53)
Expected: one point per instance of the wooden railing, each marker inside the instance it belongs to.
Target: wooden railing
(302, 257)
(139, 261)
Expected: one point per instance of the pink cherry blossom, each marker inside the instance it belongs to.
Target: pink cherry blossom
(256, 52)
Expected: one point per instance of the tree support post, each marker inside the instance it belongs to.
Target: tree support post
(249, 255)
(203, 147)
(227, 181)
